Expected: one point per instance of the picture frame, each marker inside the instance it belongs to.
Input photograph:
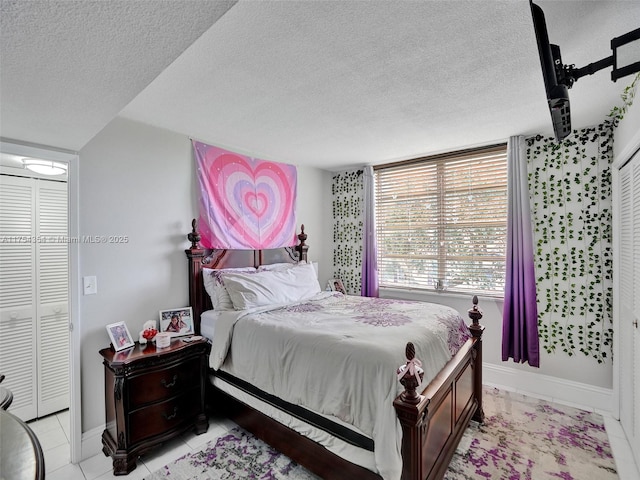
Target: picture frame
(120, 337)
(177, 321)
(336, 285)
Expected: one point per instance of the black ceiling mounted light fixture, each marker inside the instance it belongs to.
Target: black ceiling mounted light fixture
(559, 78)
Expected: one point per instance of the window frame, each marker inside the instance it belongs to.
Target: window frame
(443, 258)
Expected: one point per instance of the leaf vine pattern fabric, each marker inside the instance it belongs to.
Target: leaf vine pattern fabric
(570, 188)
(348, 204)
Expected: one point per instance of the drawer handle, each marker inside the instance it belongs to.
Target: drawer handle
(173, 382)
(172, 416)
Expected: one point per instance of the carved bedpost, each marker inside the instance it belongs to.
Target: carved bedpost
(302, 247)
(409, 376)
(476, 331)
(194, 236)
(411, 409)
(196, 255)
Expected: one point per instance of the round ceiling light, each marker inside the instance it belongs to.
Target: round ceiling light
(44, 167)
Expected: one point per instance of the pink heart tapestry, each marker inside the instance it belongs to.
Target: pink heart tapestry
(245, 203)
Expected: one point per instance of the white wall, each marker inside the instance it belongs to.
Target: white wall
(139, 181)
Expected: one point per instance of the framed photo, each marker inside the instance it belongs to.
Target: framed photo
(177, 321)
(120, 336)
(336, 285)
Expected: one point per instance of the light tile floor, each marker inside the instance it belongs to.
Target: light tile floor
(53, 433)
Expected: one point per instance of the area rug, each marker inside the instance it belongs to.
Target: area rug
(521, 439)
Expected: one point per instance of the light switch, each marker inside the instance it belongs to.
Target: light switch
(90, 285)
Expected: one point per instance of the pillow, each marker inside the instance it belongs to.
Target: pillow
(214, 285)
(284, 266)
(275, 287)
(276, 266)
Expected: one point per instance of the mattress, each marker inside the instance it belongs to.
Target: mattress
(360, 456)
(208, 323)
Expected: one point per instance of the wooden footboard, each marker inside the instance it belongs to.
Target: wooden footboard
(434, 422)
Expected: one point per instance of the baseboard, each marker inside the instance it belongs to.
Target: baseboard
(92, 442)
(559, 390)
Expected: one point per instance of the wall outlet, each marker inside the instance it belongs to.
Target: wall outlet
(90, 285)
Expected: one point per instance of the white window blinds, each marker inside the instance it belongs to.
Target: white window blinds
(441, 222)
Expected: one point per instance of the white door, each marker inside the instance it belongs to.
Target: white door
(629, 301)
(34, 313)
(18, 337)
(52, 252)
(633, 321)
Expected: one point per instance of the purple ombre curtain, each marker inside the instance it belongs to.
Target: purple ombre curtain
(369, 249)
(520, 314)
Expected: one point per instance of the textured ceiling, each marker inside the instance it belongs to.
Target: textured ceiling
(69, 66)
(329, 84)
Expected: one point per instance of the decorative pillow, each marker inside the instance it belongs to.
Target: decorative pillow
(275, 287)
(214, 285)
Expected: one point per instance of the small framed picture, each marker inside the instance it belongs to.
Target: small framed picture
(177, 321)
(120, 336)
(336, 285)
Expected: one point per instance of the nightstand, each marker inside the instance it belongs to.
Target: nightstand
(151, 395)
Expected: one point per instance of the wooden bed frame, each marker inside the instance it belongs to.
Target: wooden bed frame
(433, 422)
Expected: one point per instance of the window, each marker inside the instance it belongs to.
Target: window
(442, 222)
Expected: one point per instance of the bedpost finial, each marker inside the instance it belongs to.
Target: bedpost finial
(410, 351)
(475, 315)
(194, 236)
(302, 236)
(410, 376)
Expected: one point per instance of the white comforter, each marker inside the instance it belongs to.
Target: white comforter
(338, 355)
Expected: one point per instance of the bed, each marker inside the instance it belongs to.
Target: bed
(357, 438)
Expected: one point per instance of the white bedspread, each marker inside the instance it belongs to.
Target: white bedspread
(338, 355)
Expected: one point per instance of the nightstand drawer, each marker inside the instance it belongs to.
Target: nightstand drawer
(162, 417)
(164, 383)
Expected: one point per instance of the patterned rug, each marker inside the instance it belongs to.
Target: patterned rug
(522, 439)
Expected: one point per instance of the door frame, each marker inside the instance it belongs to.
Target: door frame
(71, 159)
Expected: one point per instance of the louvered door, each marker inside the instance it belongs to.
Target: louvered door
(34, 335)
(18, 319)
(629, 301)
(52, 297)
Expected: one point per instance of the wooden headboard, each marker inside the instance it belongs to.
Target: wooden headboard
(200, 258)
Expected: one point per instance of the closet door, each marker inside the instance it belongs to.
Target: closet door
(634, 322)
(52, 252)
(34, 279)
(18, 340)
(629, 301)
